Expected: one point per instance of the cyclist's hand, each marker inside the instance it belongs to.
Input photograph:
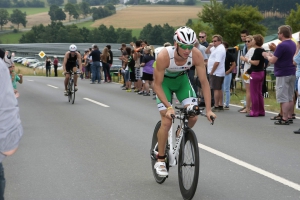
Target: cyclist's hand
(209, 115)
(64, 72)
(169, 113)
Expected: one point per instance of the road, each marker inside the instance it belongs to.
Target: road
(87, 151)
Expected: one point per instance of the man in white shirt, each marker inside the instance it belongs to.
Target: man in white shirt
(216, 69)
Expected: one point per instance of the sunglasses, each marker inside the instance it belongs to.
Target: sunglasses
(201, 36)
(185, 46)
(247, 41)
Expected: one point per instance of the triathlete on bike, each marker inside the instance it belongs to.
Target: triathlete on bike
(170, 76)
(69, 64)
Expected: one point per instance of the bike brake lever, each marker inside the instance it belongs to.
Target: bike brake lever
(212, 119)
(173, 118)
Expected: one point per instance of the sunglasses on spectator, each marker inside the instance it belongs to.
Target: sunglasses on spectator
(202, 36)
(186, 46)
(247, 41)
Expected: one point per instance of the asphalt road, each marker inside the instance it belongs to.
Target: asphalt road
(87, 151)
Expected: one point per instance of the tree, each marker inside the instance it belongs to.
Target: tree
(55, 2)
(189, 2)
(72, 1)
(84, 8)
(56, 13)
(17, 17)
(229, 22)
(70, 8)
(294, 19)
(4, 17)
(5, 4)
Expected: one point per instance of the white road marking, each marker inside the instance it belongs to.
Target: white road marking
(52, 86)
(30, 80)
(251, 167)
(96, 102)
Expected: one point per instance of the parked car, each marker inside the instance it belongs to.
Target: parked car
(29, 61)
(37, 64)
(26, 58)
(17, 58)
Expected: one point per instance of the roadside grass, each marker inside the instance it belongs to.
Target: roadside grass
(26, 71)
(29, 11)
(136, 33)
(11, 38)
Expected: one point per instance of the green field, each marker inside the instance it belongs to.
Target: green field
(29, 11)
(11, 38)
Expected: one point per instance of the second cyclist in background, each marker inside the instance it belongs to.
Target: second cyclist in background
(71, 58)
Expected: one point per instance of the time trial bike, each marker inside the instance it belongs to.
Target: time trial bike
(184, 151)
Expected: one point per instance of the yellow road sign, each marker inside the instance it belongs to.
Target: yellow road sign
(42, 54)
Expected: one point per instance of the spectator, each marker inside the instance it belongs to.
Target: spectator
(250, 50)
(147, 64)
(216, 69)
(202, 38)
(125, 60)
(9, 58)
(229, 66)
(244, 33)
(87, 64)
(131, 69)
(284, 71)
(137, 57)
(11, 129)
(96, 67)
(105, 56)
(256, 70)
(123, 55)
(111, 56)
(297, 62)
(48, 66)
(55, 64)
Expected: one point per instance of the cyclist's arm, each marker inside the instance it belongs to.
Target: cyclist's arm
(79, 59)
(65, 61)
(162, 62)
(198, 61)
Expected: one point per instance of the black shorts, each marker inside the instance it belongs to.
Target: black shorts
(69, 68)
(147, 77)
(132, 77)
(88, 68)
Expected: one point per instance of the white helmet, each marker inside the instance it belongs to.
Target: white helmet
(185, 35)
(72, 47)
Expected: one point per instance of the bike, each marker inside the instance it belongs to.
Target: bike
(71, 87)
(184, 152)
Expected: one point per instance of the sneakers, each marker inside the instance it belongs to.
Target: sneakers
(226, 107)
(221, 108)
(161, 169)
(153, 93)
(65, 93)
(297, 131)
(140, 92)
(128, 90)
(215, 109)
(146, 94)
(75, 88)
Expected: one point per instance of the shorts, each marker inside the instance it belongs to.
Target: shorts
(127, 75)
(296, 84)
(88, 68)
(132, 77)
(285, 88)
(147, 77)
(183, 89)
(69, 68)
(216, 82)
(138, 73)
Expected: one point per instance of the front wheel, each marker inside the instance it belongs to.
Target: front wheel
(153, 154)
(188, 165)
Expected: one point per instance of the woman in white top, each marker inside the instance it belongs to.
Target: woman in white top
(250, 43)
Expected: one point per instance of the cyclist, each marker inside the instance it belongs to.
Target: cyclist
(170, 76)
(69, 65)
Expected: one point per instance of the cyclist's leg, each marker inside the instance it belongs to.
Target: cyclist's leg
(75, 75)
(186, 95)
(162, 134)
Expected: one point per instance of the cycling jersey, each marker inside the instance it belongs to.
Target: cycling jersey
(71, 62)
(176, 80)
